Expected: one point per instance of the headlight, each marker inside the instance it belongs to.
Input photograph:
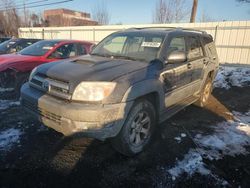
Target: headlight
(32, 73)
(93, 91)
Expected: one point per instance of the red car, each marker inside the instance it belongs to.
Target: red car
(15, 68)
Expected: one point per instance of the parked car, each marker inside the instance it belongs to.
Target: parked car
(15, 45)
(132, 80)
(15, 68)
(4, 39)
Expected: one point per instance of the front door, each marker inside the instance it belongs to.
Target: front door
(176, 77)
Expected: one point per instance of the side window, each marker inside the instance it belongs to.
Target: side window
(22, 45)
(65, 51)
(194, 48)
(81, 49)
(177, 44)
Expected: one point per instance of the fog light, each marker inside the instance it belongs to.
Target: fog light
(84, 126)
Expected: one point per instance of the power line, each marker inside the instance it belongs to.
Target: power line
(34, 6)
(31, 3)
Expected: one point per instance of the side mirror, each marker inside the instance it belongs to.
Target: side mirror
(177, 57)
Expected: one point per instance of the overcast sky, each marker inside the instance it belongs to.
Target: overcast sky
(141, 11)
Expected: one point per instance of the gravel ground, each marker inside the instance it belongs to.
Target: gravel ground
(197, 147)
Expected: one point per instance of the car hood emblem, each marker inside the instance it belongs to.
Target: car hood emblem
(46, 85)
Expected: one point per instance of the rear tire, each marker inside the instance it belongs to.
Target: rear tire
(138, 129)
(205, 93)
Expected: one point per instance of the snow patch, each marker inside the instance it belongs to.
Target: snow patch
(8, 138)
(183, 135)
(229, 138)
(5, 104)
(192, 163)
(179, 138)
(232, 76)
(5, 89)
(242, 117)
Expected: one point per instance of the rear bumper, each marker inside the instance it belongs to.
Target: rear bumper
(71, 118)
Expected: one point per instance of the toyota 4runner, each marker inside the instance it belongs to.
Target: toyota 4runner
(133, 80)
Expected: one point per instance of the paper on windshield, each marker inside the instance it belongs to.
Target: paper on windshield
(151, 44)
(47, 48)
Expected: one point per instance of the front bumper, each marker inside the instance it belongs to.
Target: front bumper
(72, 118)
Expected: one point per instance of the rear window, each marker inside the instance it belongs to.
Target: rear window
(194, 48)
(177, 44)
(7, 45)
(207, 40)
(209, 46)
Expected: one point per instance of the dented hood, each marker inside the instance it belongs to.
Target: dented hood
(90, 68)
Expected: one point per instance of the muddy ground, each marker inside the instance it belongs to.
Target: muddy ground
(44, 158)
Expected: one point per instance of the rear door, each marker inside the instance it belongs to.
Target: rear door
(197, 61)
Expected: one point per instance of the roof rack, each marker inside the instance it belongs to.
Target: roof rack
(176, 28)
(194, 30)
(139, 28)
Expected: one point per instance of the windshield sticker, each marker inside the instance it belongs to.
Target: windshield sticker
(151, 44)
(47, 48)
(12, 42)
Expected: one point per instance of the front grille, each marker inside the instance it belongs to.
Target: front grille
(51, 86)
(41, 112)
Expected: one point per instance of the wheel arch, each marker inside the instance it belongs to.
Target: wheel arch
(152, 90)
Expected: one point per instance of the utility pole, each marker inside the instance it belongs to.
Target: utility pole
(194, 11)
(24, 13)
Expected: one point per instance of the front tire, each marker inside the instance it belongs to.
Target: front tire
(138, 129)
(20, 80)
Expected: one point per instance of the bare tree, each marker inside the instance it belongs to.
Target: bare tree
(35, 21)
(243, 1)
(168, 11)
(9, 18)
(205, 17)
(101, 14)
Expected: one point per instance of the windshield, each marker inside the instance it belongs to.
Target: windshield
(7, 45)
(132, 45)
(39, 49)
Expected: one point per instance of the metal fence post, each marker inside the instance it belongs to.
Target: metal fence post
(94, 35)
(43, 33)
(70, 33)
(215, 34)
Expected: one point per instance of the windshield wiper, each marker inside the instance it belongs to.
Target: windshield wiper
(101, 55)
(128, 58)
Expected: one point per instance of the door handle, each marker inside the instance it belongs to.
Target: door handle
(189, 65)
